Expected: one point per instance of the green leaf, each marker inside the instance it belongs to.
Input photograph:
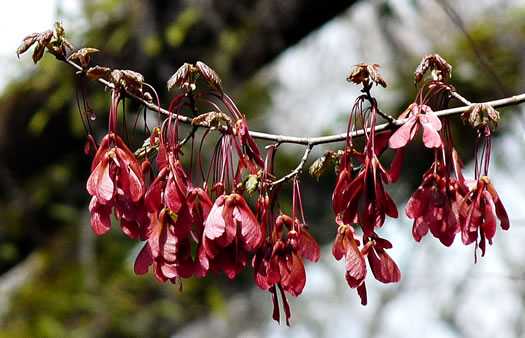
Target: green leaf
(321, 164)
(252, 183)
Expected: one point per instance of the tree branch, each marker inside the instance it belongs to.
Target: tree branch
(460, 98)
(313, 141)
(297, 170)
(509, 101)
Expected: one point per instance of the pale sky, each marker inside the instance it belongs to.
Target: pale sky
(19, 19)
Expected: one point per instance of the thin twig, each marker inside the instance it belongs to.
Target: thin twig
(297, 170)
(313, 141)
(460, 98)
(387, 117)
(478, 52)
(189, 136)
(150, 105)
(509, 101)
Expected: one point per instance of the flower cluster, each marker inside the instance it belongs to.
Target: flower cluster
(435, 204)
(360, 199)
(279, 262)
(482, 207)
(116, 183)
(192, 228)
(383, 267)
(446, 203)
(174, 213)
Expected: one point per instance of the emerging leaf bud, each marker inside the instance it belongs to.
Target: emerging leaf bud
(479, 115)
(210, 76)
(83, 55)
(180, 77)
(130, 80)
(363, 73)
(441, 70)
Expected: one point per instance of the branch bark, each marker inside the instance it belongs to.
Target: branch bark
(311, 142)
(316, 140)
(297, 170)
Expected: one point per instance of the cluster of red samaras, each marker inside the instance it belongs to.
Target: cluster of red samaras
(445, 203)
(192, 228)
(189, 228)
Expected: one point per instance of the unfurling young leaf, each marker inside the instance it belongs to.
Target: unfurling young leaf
(479, 115)
(130, 80)
(252, 183)
(56, 44)
(441, 70)
(27, 42)
(41, 40)
(97, 72)
(147, 150)
(83, 55)
(181, 76)
(210, 76)
(61, 35)
(59, 30)
(363, 73)
(213, 120)
(321, 164)
(38, 52)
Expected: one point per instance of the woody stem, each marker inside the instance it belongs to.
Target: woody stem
(313, 141)
(297, 170)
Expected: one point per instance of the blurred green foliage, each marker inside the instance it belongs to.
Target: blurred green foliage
(103, 297)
